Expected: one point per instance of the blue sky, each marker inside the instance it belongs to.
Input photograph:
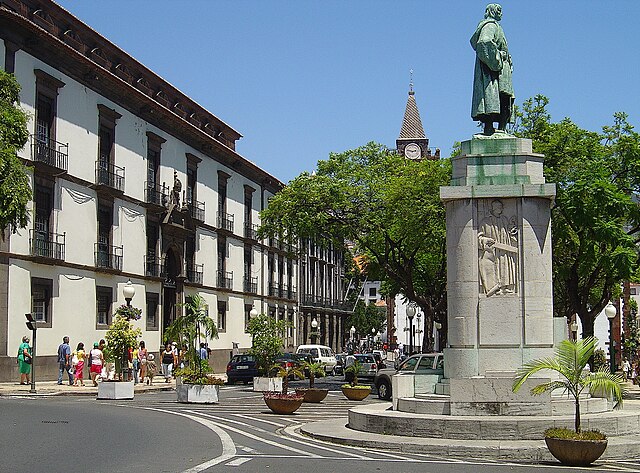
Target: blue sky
(300, 79)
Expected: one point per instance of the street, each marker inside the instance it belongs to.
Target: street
(156, 434)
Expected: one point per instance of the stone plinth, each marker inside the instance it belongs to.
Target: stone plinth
(262, 384)
(198, 393)
(115, 390)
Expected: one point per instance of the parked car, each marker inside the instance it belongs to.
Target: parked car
(368, 366)
(427, 363)
(241, 368)
(377, 354)
(291, 360)
(321, 354)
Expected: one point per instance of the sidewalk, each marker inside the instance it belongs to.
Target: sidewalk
(52, 388)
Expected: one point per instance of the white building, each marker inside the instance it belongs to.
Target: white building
(132, 180)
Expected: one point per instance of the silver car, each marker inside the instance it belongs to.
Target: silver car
(428, 363)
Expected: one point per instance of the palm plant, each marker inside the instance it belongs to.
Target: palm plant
(315, 369)
(570, 360)
(190, 328)
(285, 372)
(354, 369)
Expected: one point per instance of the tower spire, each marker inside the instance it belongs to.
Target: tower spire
(412, 142)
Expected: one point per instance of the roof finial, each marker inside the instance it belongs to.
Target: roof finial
(411, 81)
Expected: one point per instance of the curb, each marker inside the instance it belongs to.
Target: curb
(79, 393)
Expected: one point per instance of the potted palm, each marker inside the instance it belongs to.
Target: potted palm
(266, 335)
(197, 385)
(574, 447)
(312, 394)
(284, 403)
(354, 391)
(121, 336)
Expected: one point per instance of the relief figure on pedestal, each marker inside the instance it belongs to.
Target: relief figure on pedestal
(498, 252)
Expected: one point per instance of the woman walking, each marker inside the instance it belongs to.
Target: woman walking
(142, 357)
(24, 360)
(97, 360)
(168, 362)
(78, 356)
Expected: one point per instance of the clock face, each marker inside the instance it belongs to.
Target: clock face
(412, 151)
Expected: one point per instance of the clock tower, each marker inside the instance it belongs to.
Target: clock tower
(412, 142)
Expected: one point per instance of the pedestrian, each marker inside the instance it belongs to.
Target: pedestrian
(203, 352)
(142, 357)
(168, 362)
(152, 368)
(184, 356)
(24, 360)
(136, 365)
(626, 369)
(97, 362)
(77, 362)
(64, 360)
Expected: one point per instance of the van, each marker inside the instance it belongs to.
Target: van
(321, 354)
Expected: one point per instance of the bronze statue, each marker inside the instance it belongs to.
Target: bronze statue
(493, 95)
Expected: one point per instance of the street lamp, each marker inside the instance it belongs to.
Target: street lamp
(253, 313)
(129, 291)
(411, 312)
(610, 311)
(419, 331)
(314, 331)
(373, 333)
(352, 331)
(438, 327)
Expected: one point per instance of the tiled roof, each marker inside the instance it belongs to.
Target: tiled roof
(411, 124)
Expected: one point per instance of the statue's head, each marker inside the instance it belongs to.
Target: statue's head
(493, 10)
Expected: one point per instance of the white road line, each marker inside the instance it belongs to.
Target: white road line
(263, 440)
(244, 416)
(237, 462)
(295, 437)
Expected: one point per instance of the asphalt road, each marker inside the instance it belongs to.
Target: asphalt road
(153, 433)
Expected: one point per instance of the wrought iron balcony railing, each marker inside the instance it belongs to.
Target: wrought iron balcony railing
(46, 244)
(110, 175)
(274, 289)
(153, 267)
(225, 221)
(196, 209)
(225, 279)
(194, 273)
(155, 194)
(250, 284)
(291, 294)
(251, 231)
(50, 152)
(108, 256)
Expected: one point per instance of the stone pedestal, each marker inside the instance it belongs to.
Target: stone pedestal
(500, 304)
(115, 390)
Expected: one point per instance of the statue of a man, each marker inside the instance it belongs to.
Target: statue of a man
(493, 95)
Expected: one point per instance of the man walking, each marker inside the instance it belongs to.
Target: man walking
(64, 360)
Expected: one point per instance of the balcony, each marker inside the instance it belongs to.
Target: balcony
(251, 231)
(108, 256)
(196, 209)
(291, 294)
(50, 153)
(109, 175)
(194, 273)
(224, 280)
(153, 267)
(47, 245)
(274, 289)
(250, 284)
(225, 221)
(156, 195)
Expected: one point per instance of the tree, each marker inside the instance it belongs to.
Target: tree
(387, 206)
(267, 340)
(595, 218)
(367, 317)
(120, 337)
(15, 192)
(192, 327)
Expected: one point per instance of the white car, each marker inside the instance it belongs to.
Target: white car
(321, 354)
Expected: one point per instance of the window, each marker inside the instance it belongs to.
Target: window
(633, 291)
(247, 316)
(41, 290)
(222, 254)
(426, 363)
(47, 88)
(152, 310)
(372, 292)
(153, 266)
(222, 316)
(248, 204)
(223, 177)
(104, 299)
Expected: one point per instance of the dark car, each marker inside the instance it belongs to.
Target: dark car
(241, 368)
(294, 360)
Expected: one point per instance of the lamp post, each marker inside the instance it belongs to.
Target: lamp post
(411, 312)
(314, 331)
(610, 311)
(252, 314)
(129, 291)
(419, 332)
(352, 331)
(437, 326)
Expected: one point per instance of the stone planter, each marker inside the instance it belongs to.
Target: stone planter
(576, 452)
(283, 406)
(198, 393)
(267, 384)
(312, 394)
(356, 394)
(115, 390)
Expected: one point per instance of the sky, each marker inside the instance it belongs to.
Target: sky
(300, 79)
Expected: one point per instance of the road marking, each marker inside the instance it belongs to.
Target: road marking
(237, 462)
(243, 416)
(294, 437)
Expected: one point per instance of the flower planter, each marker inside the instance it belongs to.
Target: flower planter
(576, 452)
(312, 394)
(356, 393)
(198, 393)
(283, 405)
(115, 390)
(267, 384)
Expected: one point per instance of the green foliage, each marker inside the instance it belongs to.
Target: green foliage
(599, 360)
(192, 327)
(267, 335)
(285, 373)
(561, 433)
(570, 361)
(359, 386)
(120, 337)
(15, 192)
(388, 206)
(631, 341)
(197, 375)
(367, 317)
(354, 370)
(596, 218)
(315, 369)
